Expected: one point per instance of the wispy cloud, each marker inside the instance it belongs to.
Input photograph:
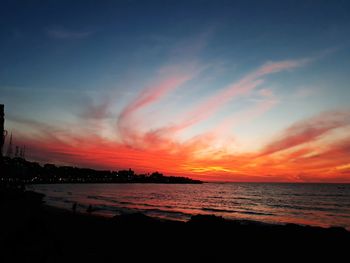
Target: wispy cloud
(206, 155)
(244, 86)
(194, 157)
(154, 93)
(274, 67)
(308, 130)
(168, 79)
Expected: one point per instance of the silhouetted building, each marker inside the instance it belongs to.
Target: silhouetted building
(126, 174)
(2, 129)
(9, 148)
(156, 176)
(17, 152)
(22, 152)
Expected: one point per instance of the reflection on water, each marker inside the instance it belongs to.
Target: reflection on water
(313, 204)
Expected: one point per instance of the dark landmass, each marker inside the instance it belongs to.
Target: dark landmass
(19, 170)
(33, 232)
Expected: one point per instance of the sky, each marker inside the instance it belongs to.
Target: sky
(213, 90)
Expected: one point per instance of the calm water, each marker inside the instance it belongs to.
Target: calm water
(312, 204)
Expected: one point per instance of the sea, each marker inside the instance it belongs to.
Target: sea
(322, 205)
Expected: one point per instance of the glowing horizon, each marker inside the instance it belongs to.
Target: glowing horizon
(183, 102)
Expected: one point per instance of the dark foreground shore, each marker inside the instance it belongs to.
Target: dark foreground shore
(30, 231)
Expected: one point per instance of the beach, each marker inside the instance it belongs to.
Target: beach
(174, 131)
(322, 205)
(34, 232)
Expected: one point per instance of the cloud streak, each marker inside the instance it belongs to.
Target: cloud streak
(153, 93)
(208, 155)
(308, 130)
(195, 158)
(169, 79)
(244, 86)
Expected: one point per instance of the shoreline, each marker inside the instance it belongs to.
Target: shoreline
(280, 213)
(56, 234)
(97, 214)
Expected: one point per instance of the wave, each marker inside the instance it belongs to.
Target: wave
(316, 204)
(155, 212)
(308, 208)
(124, 202)
(257, 213)
(235, 211)
(124, 207)
(219, 210)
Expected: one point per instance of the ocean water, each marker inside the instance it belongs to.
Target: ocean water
(307, 204)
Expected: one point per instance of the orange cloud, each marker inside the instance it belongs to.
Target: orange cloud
(182, 159)
(297, 154)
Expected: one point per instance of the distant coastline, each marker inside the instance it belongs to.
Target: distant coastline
(19, 170)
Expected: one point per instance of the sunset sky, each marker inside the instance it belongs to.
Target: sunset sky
(215, 90)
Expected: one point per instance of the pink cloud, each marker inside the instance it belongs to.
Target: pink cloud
(308, 130)
(243, 87)
(154, 93)
(174, 157)
(171, 78)
(274, 67)
(202, 111)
